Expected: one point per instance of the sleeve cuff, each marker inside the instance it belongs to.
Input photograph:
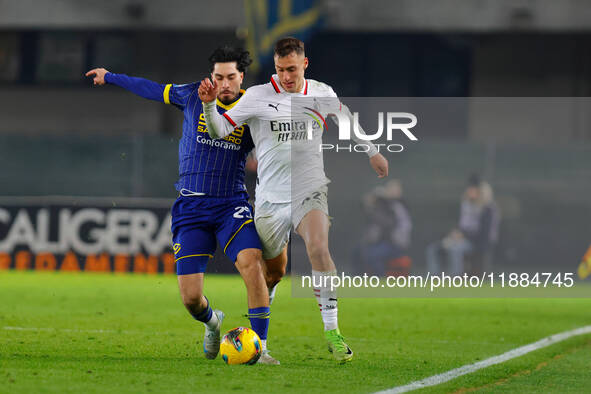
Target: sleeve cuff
(166, 93)
(108, 77)
(209, 106)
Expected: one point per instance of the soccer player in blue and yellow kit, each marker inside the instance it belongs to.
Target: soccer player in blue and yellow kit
(213, 202)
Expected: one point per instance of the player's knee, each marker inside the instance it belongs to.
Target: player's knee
(250, 262)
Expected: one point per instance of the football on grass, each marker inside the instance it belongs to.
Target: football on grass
(240, 345)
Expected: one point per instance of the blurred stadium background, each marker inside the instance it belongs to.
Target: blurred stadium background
(61, 137)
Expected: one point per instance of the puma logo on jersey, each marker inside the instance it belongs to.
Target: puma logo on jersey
(274, 106)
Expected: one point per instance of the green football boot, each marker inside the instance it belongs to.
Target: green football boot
(337, 346)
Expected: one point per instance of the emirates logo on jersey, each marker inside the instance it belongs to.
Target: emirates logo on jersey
(293, 130)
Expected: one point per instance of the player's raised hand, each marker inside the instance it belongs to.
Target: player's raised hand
(98, 75)
(208, 91)
(379, 164)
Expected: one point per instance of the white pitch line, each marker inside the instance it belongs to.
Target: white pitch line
(469, 368)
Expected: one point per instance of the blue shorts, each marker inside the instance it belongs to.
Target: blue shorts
(198, 221)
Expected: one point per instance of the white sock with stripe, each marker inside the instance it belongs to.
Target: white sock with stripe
(327, 298)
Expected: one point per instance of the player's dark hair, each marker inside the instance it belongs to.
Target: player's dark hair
(228, 54)
(287, 45)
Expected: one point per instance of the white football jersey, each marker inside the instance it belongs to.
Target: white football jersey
(290, 163)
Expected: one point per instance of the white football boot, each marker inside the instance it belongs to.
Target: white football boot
(266, 358)
(211, 339)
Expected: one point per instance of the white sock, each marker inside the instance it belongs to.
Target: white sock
(212, 323)
(272, 294)
(264, 344)
(327, 298)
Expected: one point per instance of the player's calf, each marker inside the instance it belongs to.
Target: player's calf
(274, 276)
(275, 269)
(194, 301)
(319, 255)
(249, 263)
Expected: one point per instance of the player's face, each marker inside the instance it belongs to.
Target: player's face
(290, 70)
(229, 80)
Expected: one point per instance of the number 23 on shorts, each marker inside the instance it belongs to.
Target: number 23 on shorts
(242, 212)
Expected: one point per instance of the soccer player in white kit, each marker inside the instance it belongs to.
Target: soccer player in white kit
(267, 110)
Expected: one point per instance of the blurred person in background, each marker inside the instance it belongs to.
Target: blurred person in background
(476, 234)
(387, 236)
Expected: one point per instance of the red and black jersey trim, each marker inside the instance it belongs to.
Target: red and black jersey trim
(275, 85)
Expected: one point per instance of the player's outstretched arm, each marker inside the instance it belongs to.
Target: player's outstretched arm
(142, 87)
(218, 126)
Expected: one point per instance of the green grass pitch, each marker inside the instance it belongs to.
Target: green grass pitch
(96, 333)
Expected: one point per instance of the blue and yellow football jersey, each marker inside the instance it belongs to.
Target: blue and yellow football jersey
(206, 166)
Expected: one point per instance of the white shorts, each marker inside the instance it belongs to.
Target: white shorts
(274, 221)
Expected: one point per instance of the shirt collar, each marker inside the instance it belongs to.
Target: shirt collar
(279, 89)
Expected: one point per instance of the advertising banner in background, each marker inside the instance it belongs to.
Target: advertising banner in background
(86, 234)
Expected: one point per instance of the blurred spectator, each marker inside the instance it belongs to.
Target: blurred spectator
(476, 234)
(387, 236)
